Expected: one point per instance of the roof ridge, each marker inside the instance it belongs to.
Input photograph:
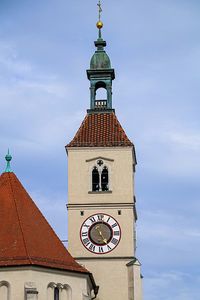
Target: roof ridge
(27, 253)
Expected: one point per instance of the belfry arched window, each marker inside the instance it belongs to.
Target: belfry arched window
(100, 177)
(104, 179)
(95, 179)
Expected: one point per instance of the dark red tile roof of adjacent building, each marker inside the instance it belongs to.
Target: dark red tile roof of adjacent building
(26, 238)
(100, 130)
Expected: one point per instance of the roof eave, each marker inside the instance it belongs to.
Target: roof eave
(68, 147)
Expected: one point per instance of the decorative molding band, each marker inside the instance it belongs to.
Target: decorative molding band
(102, 205)
(100, 192)
(99, 157)
(105, 258)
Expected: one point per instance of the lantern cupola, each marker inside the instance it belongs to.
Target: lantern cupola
(100, 74)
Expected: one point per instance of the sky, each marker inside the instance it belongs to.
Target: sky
(154, 46)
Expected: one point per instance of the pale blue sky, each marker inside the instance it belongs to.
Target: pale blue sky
(154, 46)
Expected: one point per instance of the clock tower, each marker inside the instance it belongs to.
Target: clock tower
(101, 197)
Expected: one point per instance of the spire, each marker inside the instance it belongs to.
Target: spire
(8, 158)
(100, 43)
(100, 73)
(99, 23)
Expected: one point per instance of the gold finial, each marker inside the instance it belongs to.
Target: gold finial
(99, 23)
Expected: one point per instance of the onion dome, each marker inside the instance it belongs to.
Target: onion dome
(100, 59)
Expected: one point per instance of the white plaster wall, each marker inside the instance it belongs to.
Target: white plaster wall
(134, 282)
(120, 161)
(113, 278)
(137, 283)
(110, 274)
(79, 175)
(125, 220)
(42, 277)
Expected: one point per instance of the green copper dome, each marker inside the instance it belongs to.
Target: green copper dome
(100, 60)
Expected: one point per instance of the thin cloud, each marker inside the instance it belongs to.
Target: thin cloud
(44, 94)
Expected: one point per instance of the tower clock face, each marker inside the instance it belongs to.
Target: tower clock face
(100, 233)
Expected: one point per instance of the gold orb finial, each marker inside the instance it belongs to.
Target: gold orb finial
(99, 24)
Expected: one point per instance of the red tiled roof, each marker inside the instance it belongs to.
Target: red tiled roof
(26, 238)
(100, 130)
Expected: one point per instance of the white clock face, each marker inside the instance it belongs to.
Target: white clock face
(100, 233)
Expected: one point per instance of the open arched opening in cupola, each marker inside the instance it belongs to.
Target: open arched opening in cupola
(101, 95)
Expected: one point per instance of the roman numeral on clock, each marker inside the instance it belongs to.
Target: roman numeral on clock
(92, 247)
(87, 226)
(109, 248)
(116, 233)
(114, 225)
(100, 217)
(92, 219)
(86, 242)
(101, 250)
(108, 219)
(84, 233)
(114, 241)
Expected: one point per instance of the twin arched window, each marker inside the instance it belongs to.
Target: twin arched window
(58, 291)
(100, 178)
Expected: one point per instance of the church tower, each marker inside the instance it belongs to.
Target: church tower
(101, 197)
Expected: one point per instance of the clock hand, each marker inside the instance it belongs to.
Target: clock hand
(103, 238)
(100, 233)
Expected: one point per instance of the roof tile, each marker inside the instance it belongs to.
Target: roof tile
(100, 130)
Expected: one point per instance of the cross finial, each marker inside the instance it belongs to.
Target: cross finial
(99, 23)
(100, 9)
(8, 158)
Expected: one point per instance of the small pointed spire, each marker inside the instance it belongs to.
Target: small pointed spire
(8, 158)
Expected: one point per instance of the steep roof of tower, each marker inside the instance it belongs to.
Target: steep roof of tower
(26, 238)
(100, 130)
